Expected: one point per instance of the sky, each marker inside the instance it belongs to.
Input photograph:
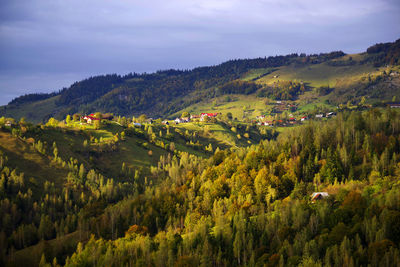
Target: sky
(46, 45)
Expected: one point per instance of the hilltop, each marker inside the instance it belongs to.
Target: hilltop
(324, 80)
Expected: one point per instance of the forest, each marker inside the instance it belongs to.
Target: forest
(241, 206)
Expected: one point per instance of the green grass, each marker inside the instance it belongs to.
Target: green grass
(318, 75)
(217, 134)
(29, 161)
(240, 106)
(307, 108)
(132, 153)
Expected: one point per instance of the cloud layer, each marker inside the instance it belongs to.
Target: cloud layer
(47, 44)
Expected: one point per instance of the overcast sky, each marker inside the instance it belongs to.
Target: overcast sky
(48, 44)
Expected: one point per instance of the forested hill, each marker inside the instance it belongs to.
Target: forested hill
(65, 203)
(165, 92)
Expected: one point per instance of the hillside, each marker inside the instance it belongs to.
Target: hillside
(332, 78)
(75, 168)
(222, 192)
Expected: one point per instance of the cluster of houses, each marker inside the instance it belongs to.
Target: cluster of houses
(200, 117)
(281, 106)
(290, 121)
(327, 115)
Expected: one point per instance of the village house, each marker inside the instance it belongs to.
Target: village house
(185, 119)
(319, 116)
(261, 117)
(330, 114)
(182, 120)
(8, 123)
(304, 118)
(318, 196)
(90, 118)
(394, 105)
(210, 115)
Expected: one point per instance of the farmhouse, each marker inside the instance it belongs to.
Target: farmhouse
(182, 120)
(318, 196)
(210, 115)
(330, 114)
(394, 105)
(90, 118)
(261, 117)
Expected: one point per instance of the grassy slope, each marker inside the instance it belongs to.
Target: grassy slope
(219, 135)
(240, 106)
(316, 75)
(27, 160)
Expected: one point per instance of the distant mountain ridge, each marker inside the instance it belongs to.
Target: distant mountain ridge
(166, 92)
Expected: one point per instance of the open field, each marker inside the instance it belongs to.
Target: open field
(317, 75)
(241, 106)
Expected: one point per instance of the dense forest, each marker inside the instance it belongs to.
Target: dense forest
(245, 206)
